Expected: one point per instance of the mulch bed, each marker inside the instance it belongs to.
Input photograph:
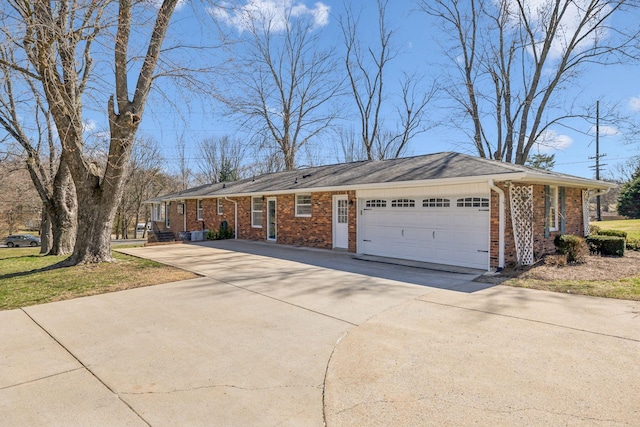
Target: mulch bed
(597, 268)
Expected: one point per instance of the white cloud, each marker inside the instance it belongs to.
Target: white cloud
(634, 103)
(275, 13)
(158, 3)
(550, 141)
(538, 12)
(88, 126)
(605, 130)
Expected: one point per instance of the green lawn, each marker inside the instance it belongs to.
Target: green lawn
(627, 288)
(631, 226)
(26, 281)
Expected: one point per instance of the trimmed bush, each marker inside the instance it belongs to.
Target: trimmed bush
(615, 233)
(633, 244)
(573, 247)
(606, 245)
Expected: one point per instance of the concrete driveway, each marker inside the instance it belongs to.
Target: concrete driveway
(303, 337)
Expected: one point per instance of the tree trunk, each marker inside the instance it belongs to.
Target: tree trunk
(62, 211)
(46, 236)
(93, 236)
(98, 199)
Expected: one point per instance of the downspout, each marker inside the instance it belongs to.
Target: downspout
(501, 222)
(184, 215)
(235, 229)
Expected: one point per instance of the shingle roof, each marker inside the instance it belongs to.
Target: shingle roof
(439, 166)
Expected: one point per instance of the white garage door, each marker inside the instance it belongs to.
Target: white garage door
(444, 230)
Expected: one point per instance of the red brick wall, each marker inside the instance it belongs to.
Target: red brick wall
(315, 231)
(541, 245)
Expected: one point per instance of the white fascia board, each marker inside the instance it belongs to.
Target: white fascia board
(568, 181)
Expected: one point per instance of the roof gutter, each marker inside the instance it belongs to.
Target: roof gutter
(235, 222)
(599, 193)
(576, 181)
(501, 224)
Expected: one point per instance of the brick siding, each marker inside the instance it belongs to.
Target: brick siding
(315, 231)
(541, 245)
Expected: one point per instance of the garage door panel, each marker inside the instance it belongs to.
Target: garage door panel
(452, 235)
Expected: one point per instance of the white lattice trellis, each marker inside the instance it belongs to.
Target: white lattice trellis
(585, 212)
(521, 200)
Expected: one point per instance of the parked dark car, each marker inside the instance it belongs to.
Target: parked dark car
(22, 240)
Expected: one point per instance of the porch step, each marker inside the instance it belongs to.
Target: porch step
(162, 236)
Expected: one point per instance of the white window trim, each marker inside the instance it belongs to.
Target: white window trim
(553, 208)
(304, 215)
(220, 211)
(199, 209)
(167, 215)
(253, 210)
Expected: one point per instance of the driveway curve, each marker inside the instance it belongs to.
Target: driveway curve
(498, 357)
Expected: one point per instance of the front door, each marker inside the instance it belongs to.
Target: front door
(271, 219)
(340, 222)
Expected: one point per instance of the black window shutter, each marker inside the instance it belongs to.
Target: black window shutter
(547, 209)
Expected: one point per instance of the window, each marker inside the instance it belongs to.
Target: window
(552, 217)
(219, 206)
(180, 208)
(343, 211)
(199, 211)
(436, 203)
(157, 212)
(256, 212)
(473, 202)
(375, 203)
(167, 208)
(303, 205)
(403, 203)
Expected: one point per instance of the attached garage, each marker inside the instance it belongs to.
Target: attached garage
(451, 228)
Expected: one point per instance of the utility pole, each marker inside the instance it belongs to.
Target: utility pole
(597, 158)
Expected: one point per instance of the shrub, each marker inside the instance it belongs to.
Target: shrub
(606, 245)
(558, 260)
(224, 232)
(615, 233)
(633, 244)
(573, 247)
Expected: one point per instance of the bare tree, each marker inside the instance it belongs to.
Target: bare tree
(19, 202)
(350, 147)
(47, 169)
(366, 68)
(283, 82)
(219, 160)
(184, 165)
(145, 180)
(513, 59)
(58, 40)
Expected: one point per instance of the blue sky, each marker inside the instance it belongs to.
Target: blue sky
(415, 37)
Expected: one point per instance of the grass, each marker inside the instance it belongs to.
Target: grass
(626, 288)
(25, 281)
(631, 226)
(608, 277)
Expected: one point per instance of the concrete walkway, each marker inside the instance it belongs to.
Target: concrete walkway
(304, 338)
